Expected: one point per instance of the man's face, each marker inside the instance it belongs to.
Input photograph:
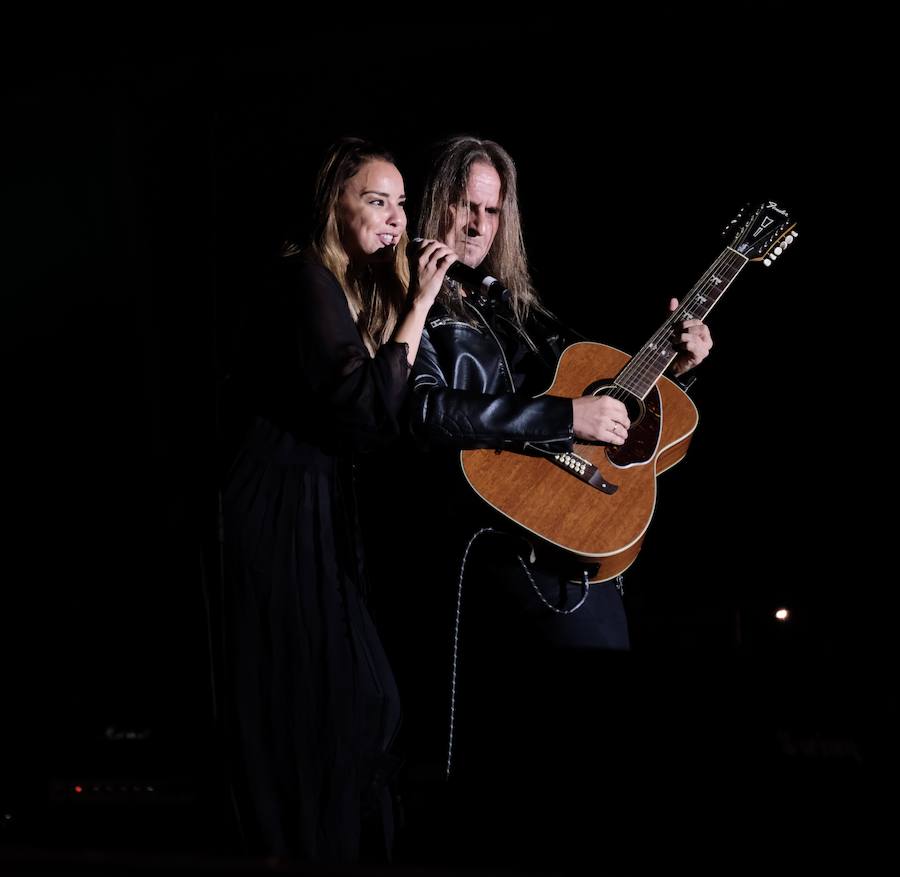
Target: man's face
(474, 224)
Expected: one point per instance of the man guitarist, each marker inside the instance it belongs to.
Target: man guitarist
(483, 358)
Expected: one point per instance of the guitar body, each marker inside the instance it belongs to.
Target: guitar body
(602, 526)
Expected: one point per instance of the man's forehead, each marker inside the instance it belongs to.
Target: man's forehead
(483, 182)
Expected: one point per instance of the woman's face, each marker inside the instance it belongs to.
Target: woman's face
(370, 212)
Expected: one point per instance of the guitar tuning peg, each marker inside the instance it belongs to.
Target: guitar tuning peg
(777, 251)
(789, 240)
(767, 262)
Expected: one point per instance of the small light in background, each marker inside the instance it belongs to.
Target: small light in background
(782, 614)
(78, 790)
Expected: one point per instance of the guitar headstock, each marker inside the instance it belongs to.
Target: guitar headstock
(761, 234)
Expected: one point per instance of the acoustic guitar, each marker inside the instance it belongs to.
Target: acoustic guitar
(596, 502)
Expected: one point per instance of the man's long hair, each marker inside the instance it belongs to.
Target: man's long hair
(446, 187)
(376, 294)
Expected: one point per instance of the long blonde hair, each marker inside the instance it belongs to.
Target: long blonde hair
(376, 294)
(446, 188)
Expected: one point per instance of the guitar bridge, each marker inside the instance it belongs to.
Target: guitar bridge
(584, 470)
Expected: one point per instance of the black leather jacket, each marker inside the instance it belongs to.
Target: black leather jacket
(475, 384)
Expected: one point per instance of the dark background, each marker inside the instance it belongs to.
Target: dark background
(149, 180)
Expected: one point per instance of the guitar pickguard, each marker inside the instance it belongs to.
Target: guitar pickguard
(643, 435)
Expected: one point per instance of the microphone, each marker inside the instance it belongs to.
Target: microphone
(477, 279)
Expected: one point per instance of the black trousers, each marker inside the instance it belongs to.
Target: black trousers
(537, 718)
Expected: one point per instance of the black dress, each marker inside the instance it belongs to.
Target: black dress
(313, 703)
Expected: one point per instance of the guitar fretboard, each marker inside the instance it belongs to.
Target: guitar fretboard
(648, 364)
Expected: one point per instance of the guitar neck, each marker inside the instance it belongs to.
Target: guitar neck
(646, 367)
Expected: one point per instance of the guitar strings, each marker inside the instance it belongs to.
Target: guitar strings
(647, 359)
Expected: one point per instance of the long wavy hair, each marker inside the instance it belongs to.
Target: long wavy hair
(375, 293)
(446, 187)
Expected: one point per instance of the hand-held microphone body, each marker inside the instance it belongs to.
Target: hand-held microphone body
(476, 279)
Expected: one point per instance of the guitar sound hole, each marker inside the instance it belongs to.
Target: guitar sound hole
(635, 406)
